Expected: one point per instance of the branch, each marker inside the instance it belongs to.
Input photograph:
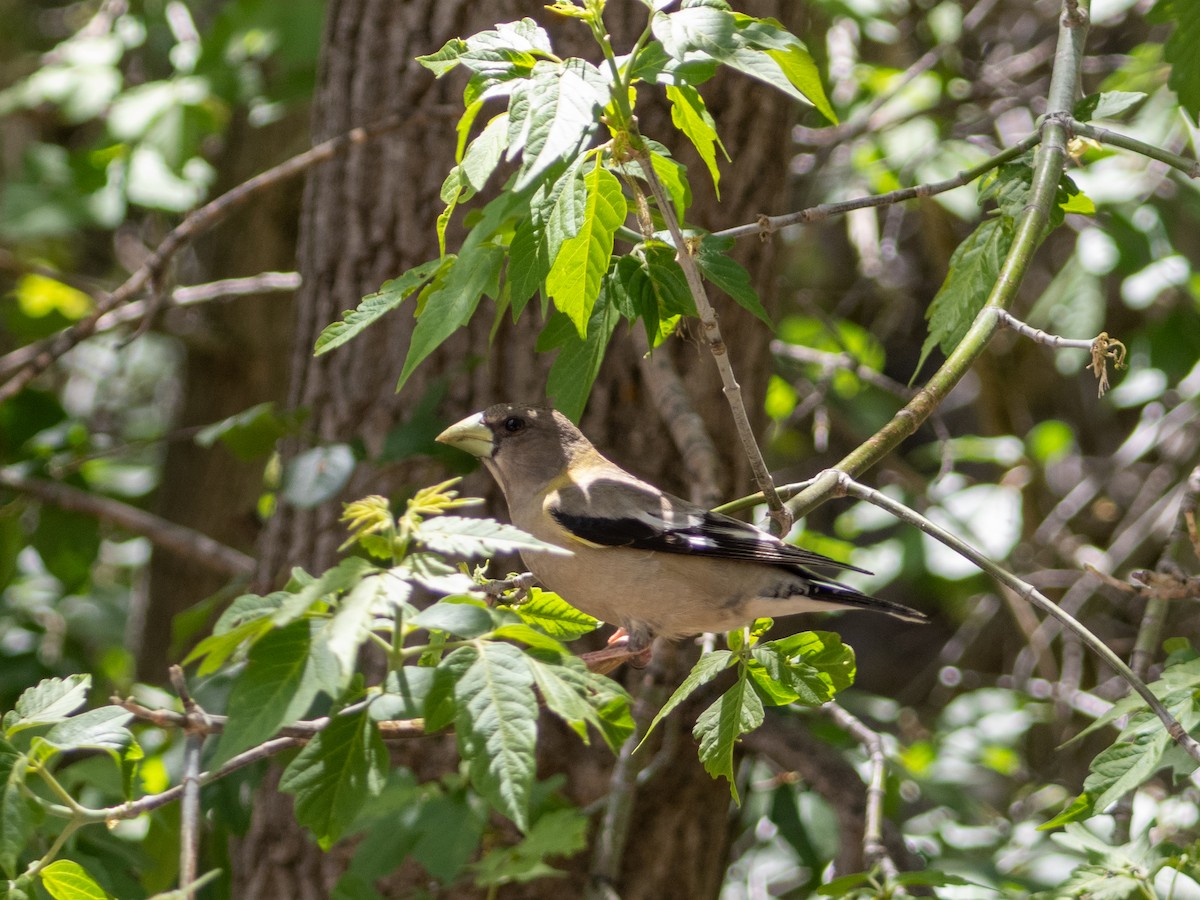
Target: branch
(189, 825)
(218, 557)
(1030, 231)
(874, 850)
(846, 485)
(767, 225)
(1189, 167)
(302, 731)
(1101, 347)
(781, 518)
(194, 223)
(266, 282)
(1158, 601)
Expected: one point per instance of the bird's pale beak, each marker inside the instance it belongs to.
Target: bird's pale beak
(471, 434)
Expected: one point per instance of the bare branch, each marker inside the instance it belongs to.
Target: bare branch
(194, 223)
(264, 283)
(1189, 167)
(846, 485)
(187, 542)
(767, 225)
(781, 517)
(874, 850)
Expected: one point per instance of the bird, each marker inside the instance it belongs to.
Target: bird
(651, 563)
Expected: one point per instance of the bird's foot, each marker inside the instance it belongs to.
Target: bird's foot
(510, 591)
(621, 648)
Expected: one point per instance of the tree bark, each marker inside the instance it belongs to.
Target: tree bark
(368, 216)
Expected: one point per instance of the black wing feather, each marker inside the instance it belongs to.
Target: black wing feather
(696, 531)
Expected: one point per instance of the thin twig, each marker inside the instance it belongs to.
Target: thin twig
(1102, 347)
(189, 825)
(767, 225)
(1158, 602)
(263, 283)
(846, 485)
(187, 542)
(874, 850)
(781, 518)
(193, 224)
(150, 802)
(1189, 167)
(302, 730)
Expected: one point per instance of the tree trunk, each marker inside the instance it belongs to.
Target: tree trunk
(368, 216)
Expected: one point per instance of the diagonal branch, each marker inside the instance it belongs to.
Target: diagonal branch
(193, 224)
(194, 545)
(767, 225)
(1030, 231)
(844, 484)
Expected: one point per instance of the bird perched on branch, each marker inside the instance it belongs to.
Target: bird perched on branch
(642, 559)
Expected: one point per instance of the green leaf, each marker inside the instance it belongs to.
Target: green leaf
(51, 700)
(707, 667)
(760, 48)
(552, 115)
(248, 607)
(252, 433)
(100, 729)
(496, 723)
(483, 154)
(727, 274)
(736, 712)
(1182, 51)
(64, 879)
(689, 115)
(284, 673)
(528, 265)
(560, 832)
(578, 363)
(1107, 105)
(824, 652)
(68, 543)
(575, 275)
(452, 304)
(1125, 765)
(374, 306)
(404, 694)
(314, 476)
(334, 775)
(1079, 808)
(351, 624)
(556, 617)
(464, 620)
(582, 698)
(217, 648)
(801, 72)
(972, 274)
(673, 175)
(16, 822)
(342, 577)
(466, 536)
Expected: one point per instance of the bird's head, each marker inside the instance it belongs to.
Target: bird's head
(536, 441)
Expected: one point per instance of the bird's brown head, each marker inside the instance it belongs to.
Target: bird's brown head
(512, 437)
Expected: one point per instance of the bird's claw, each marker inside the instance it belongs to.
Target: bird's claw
(622, 648)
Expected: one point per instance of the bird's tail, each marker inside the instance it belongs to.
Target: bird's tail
(849, 598)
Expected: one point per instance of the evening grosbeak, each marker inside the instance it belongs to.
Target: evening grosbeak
(641, 558)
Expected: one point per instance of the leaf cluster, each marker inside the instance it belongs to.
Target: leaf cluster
(576, 170)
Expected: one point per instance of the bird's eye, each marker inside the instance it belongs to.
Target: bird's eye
(513, 424)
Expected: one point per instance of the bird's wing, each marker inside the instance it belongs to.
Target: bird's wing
(615, 511)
